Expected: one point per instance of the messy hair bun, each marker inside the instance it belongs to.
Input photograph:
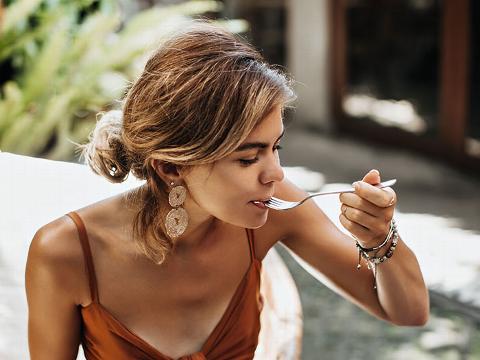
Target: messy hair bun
(105, 153)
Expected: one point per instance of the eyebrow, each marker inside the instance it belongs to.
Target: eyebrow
(257, 145)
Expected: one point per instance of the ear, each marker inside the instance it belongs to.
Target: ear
(166, 171)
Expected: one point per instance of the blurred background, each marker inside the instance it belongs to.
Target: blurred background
(392, 85)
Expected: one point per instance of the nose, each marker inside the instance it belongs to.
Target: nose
(273, 171)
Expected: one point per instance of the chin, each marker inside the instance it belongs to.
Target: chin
(249, 217)
(258, 222)
(256, 227)
(248, 222)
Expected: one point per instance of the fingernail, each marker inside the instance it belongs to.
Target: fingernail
(376, 171)
(356, 184)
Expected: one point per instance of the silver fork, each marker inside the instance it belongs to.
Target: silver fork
(279, 204)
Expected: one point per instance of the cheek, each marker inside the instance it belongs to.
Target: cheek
(221, 194)
(227, 198)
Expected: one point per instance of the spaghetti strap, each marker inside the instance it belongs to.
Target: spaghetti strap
(87, 254)
(251, 243)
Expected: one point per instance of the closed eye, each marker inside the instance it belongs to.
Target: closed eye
(247, 162)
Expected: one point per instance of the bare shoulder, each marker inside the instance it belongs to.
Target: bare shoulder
(55, 252)
(57, 242)
(54, 276)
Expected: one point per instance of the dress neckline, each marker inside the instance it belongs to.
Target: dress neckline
(120, 329)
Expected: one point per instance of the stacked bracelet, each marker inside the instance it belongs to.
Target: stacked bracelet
(373, 261)
(387, 238)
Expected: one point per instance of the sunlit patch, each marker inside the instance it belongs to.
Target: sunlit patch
(472, 146)
(399, 113)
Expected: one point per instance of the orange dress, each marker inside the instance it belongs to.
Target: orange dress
(234, 337)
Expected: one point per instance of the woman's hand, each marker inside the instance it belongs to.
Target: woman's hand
(367, 213)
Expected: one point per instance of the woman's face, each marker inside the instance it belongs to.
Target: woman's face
(227, 190)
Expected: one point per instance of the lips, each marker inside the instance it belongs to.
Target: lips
(261, 202)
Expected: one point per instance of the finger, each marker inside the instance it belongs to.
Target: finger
(355, 229)
(381, 197)
(355, 201)
(393, 196)
(372, 223)
(372, 177)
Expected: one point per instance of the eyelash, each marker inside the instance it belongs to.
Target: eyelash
(247, 162)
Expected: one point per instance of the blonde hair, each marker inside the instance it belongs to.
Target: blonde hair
(199, 96)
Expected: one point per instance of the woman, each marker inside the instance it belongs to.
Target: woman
(171, 269)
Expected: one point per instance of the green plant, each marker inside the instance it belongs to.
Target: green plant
(74, 61)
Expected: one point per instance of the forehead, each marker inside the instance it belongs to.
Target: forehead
(271, 125)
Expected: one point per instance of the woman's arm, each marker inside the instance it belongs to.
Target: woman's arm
(53, 316)
(401, 296)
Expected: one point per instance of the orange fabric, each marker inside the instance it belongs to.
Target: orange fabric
(234, 337)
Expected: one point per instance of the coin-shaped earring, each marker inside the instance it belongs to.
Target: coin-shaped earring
(176, 220)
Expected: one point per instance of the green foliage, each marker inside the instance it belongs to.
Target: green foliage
(70, 60)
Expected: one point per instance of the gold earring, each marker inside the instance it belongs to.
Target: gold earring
(177, 218)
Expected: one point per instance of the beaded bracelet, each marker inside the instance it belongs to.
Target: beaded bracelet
(387, 238)
(373, 261)
(361, 249)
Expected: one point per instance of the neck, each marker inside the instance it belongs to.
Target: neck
(200, 229)
(199, 233)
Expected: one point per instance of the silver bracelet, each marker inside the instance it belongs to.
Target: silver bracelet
(373, 261)
(388, 237)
